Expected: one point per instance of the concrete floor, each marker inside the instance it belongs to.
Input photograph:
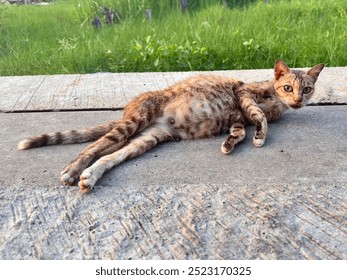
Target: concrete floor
(186, 200)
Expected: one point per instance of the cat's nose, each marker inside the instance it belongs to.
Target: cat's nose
(298, 100)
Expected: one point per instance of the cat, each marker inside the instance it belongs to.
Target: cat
(198, 107)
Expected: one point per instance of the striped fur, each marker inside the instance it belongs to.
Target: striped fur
(198, 107)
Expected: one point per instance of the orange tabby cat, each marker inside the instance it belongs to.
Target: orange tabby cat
(198, 107)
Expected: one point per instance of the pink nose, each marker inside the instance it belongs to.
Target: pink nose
(297, 100)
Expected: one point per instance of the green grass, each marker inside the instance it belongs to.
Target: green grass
(60, 38)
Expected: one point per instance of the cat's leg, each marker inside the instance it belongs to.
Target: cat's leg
(137, 146)
(272, 108)
(256, 116)
(237, 134)
(110, 142)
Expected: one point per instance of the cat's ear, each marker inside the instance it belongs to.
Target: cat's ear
(314, 72)
(280, 69)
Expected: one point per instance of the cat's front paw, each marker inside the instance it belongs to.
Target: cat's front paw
(258, 142)
(227, 147)
(87, 180)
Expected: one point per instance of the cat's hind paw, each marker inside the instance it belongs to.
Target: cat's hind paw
(68, 177)
(87, 181)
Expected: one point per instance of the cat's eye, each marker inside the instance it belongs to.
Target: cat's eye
(288, 88)
(306, 90)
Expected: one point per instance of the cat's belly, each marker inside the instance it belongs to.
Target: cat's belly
(199, 115)
(195, 130)
(197, 126)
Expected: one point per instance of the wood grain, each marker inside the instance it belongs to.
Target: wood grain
(114, 90)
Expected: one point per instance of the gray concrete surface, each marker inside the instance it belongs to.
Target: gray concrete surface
(287, 200)
(186, 200)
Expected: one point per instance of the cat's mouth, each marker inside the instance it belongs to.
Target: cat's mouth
(297, 106)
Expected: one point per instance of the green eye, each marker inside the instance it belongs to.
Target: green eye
(306, 90)
(288, 88)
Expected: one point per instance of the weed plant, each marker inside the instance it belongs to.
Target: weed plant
(209, 35)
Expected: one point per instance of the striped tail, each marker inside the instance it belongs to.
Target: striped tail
(138, 114)
(67, 137)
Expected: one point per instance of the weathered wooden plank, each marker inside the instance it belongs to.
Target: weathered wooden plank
(45, 94)
(17, 92)
(114, 90)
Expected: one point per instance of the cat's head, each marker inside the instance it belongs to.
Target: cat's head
(295, 87)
